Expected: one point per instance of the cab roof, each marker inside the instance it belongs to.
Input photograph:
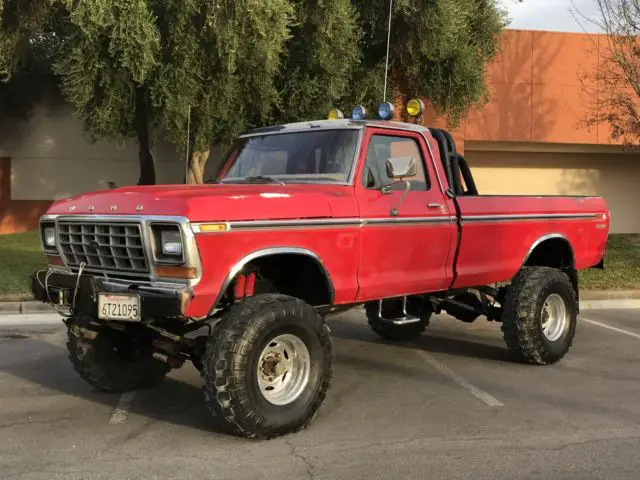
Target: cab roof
(346, 124)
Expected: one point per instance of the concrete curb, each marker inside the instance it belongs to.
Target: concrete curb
(15, 308)
(19, 320)
(629, 304)
(588, 295)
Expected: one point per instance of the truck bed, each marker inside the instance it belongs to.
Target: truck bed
(497, 233)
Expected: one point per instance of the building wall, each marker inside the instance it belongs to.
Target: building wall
(541, 90)
(613, 176)
(17, 215)
(51, 156)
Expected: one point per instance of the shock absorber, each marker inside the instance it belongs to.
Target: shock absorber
(250, 284)
(239, 287)
(244, 286)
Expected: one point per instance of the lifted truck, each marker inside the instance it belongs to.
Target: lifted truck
(301, 221)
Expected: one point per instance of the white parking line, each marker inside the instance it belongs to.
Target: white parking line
(122, 409)
(609, 327)
(475, 391)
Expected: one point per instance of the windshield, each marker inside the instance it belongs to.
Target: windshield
(297, 157)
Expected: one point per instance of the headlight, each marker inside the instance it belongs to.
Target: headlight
(171, 242)
(167, 240)
(50, 237)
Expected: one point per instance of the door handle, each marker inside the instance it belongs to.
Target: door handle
(435, 205)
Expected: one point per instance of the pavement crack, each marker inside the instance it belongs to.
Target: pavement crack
(34, 422)
(293, 453)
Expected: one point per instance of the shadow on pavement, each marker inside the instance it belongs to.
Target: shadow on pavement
(180, 401)
(173, 401)
(428, 342)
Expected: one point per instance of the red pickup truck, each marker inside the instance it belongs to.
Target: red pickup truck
(301, 221)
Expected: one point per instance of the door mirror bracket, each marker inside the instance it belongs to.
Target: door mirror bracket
(398, 168)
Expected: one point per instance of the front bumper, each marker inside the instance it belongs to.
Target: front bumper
(155, 302)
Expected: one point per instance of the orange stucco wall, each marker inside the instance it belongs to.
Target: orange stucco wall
(536, 90)
(539, 91)
(17, 215)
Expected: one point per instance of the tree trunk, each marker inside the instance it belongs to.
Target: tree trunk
(197, 162)
(147, 165)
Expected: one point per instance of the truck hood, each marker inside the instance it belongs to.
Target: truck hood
(210, 202)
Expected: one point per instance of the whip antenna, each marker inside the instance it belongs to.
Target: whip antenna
(186, 176)
(386, 70)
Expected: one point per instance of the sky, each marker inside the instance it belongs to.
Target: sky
(553, 15)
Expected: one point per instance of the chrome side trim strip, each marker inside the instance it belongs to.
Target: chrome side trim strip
(321, 223)
(363, 222)
(545, 216)
(312, 222)
(407, 220)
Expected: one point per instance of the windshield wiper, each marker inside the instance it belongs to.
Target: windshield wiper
(263, 179)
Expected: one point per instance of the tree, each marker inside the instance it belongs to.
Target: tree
(27, 46)
(220, 59)
(614, 87)
(439, 51)
(318, 54)
(321, 58)
(108, 57)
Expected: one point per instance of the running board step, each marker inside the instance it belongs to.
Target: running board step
(406, 319)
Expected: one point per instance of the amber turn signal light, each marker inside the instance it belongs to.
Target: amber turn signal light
(186, 273)
(55, 260)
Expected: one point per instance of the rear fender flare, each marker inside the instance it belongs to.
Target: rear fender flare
(546, 238)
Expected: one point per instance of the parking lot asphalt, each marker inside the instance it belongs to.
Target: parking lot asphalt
(449, 405)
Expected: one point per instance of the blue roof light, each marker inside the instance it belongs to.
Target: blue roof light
(359, 113)
(386, 110)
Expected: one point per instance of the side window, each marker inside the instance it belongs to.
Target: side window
(383, 147)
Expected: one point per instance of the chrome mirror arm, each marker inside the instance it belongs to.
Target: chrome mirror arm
(395, 211)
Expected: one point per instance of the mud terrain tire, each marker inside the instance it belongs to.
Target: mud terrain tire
(236, 358)
(109, 362)
(527, 305)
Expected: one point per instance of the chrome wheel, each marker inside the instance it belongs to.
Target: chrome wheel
(554, 317)
(283, 369)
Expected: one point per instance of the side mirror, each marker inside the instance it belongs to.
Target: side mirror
(401, 167)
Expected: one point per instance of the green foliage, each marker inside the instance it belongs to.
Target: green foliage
(221, 58)
(439, 48)
(22, 25)
(112, 48)
(27, 46)
(321, 58)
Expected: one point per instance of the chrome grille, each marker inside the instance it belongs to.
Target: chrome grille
(103, 246)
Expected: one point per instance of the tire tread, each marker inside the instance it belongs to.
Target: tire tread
(224, 374)
(520, 329)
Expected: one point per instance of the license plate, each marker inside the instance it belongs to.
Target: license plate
(119, 307)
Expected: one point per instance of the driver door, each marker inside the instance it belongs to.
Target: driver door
(406, 241)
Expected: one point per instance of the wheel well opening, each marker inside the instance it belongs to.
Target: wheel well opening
(297, 275)
(555, 253)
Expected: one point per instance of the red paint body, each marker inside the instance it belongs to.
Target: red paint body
(367, 262)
